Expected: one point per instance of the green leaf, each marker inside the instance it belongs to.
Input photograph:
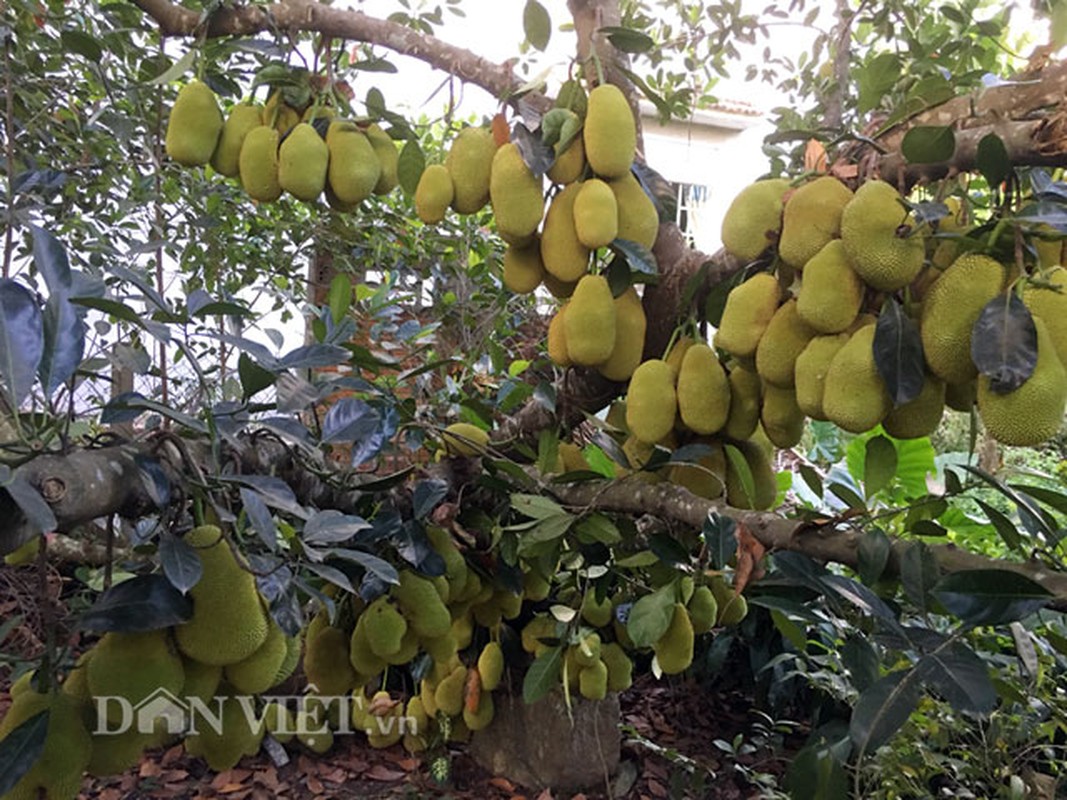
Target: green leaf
(992, 159)
(882, 709)
(536, 506)
(598, 528)
(898, 353)
(410, 166)
(875, 79)
(861, 660)
(1004, 527)
(990, 596)
(846, 495)
(21, 340)
(651, 616)
(720, 534)
(21, 749)
(180, 561)
(143, 603)
(1004, 343)
(627, 39)
(791, 631)
(536, 24)
(873, 550)
(339, 297)
(919, 573)
(879, 466)
(177, 69)
(547, 529)
(961, 677)
(928, 144)
(254, 378)
(543, 675)
(816, 773)
(744, 472)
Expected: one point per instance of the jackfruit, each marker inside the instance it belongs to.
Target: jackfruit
(1050, 304)
(748, 311)
(593, 681)
(812, 217)
(540, 627)
(385, 627)
(434, 194)
(569, 164)
(448, 697)
(831, 293)
(388, 158)
(651, 403)
(703, 609)
(465, 439)
(746, 391)
(509, 603)
(1033, 412)
(609, 134)
(784, 339)
(811, 368)
(422, 606)
(754, 218)
(229, 623)
(194, 126)
(781, 417)
(470, 162)
(562, 254)
(733, 607)
(354, 169)
(279, 722)
(259, 672)
(57, 773)
(596, 214)
(455, 565)
(302, 161)
(523, 268)
(854, 394)
(630, 326)
(703, 390)
(589, 324)
(587, 651)
(597, 613)
(705, 478)
(921, 416)
(386, 728)
(240, 736)
(674, 650)
(417, 723)
(114, 753)
(313, 732)
(480, 718)
(515, 194)
(638, 218)
(879, 238)
(201, 680)
(293, 650)
(620, 667)
(278, 114)
(557, 339)
(258, 164)
(491, 666)
(949, 312)
(765, 486)
(243, 118)
(134, 666)
(961, 396)
(327, 663)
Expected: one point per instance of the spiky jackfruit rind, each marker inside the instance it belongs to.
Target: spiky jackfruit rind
(746, 390)
(258, 673)
(240, 735)
(674, 649)
(388, 158)
(651, 404)
(354, 169)
(258, 164)
(811, 368)
(749, 309)
(563, 255)
(465, 439)
(831, 293)
(67, 748)
(753, 220)
(703, 390)
(879, 239)
(515, 193)
(638, 218)
(523, 268)
(610, 133)
(328, 664)
(784, 339)
(194, 126)
(922, 415)
(226, 158)
(630, 328)
(596, 214)
(434, 194)
(854, 395)
(589, 324)
(302, 162)
(812, 217)
(134, 666)
(470, 162)
(421, 605)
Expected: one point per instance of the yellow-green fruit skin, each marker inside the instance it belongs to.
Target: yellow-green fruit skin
(258, 164)
(354, 168)
(448, 697)
(784, 339)
(630, 326)
(597, 613)
(703, 390)
(831, 293)
(229, 623)
(674, 650)
(470, 162)
(754, 218)
(388, 159)
(874, 231)
(732, 607)
(703, 609)
(385, 627)
(491, 666)
(781, 417)
(523, 268)
(465, 439)
(812, 217)
(854, 395)
(557, 339)
(1033, 412)
(194, 126)
(620, 667)
(67, 747)
(515, 194)
(949, 312)
(563, 255)
(259, 672)
(651, 403)
(116, 752)
(638, 218)
(764, 485)
(360, 655)
(593, 681)
(748, 311)
(705, 478)
(302, 161)
(610, 134)
(480, 719)
(596, 214)
(238, 738)
(569, 165)
(1050, 304)
(327, 662)
(279, 722)
(921, 416)
(434, 194)
(226, 158)
(422, 605)
(589, 324)
(745, 396)
(811, 368)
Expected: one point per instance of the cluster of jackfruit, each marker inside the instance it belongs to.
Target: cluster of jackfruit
(806, 332)
(276, 148)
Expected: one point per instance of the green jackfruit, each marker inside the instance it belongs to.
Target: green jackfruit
(434, 194)
(593, 681)
(57, 773)
(586, 652)
(596, 214)
(831, 293)
(388, 158)
(651, 403)
(114, 753)
(854, 394)
(961, 396)
(240, 736)
(134, 666)
(1034, 412)
(515, 194)
(569, 164)
(229, 623)
(448, 697)
(878, 238)
(597, 613)
(294, 648)
(470, 162)
(746, 391)
(638, 218)
(705, 478)
(764, 485)
(1050, 304)
(557, 339)
(748, 311)
(354, 168)
(630, 326)
(313, 732)
(732, 607)
(385, 627)
(302, 161)
(949, 312)
(620, 667)
(754, 218)
(278, 114)
(422, 605)
(226, 158)
(201, 680)
(194, 126)
(259, 672)
(589, 324)
(781, 417)
(922, 415)
(784, 339)
(491, 666)
(674, 650)
(327, 663)
(523, 268)
(811, 368)
(258, 164)
(561, 290)
(811, 218)
(480, 718)
(540, 627)
(279, 722)
(703, 609)
(703, 390)
(563, 255)
(75, 685)
(677, 353)
(465, 439)
(609, 134)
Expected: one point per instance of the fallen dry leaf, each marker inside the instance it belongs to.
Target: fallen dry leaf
(380, 772)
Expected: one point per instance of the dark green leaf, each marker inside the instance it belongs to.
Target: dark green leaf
(651, 616)
(536, 24)
(545, 396)
(918, 573)
(861, 660)
(816, 773)
(50, 259)
(37, 512)
(720, 534)
(993, 160)
(862, 598)
(379, 568)
(1009, 534)
(21, 749)
(339, 297)
(928, 144)
(143, 603)
(543, 675)
(410, 166)
(662, 193)
(960, 677)
(846, 495)
(312, 356)
(927, 527)
(628, 40)
(873, 550)
(254, 379)
(260, 516)
(64, 342)
(332, 574)
(744, 472)
(537, 155)
(1032, 516)
(639, 258)
(332, 527)
(1004, 343)
(898, 353)
(668, 549)
(427, 496)
(181, 564)
(275, 492)
(882, 709)
(21, 339)
(879, 465)
(536, 506)
(811, 478)
(1050, 497)
(350, 420)
(990, 596)
(83, 44)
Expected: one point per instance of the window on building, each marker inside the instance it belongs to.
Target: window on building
(692, 198)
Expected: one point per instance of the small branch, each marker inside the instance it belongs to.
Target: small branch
(9, 158)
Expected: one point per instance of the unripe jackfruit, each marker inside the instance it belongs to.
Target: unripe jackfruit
(385, 627)
(226, 158)
(279, 722)
(593, 681)
(831, 293)
(491, 666)
(480, 718)
(240, 736)
(194, 126)
(651, 403)
(746, 390)
(589, 324)
(354, 168)
(57, 773)
(302, 161)
(620, 667)
(448, 697)
(523, 268)
(557, 339)
(630, 325)
(541, 626)
(705, 478)
(812, 217)
(754, 218)
(114, 753)
(638, 218)
(733, 607)
(422, 605)
(259, 672)
(782, 419)
(878, 238)
(597, 613)
(748, 311)
(610, 133)
(784, 339)
(465, 439)
(258, 164)
(854, 395)
(703, 609)
(764, 484)
(563, 255)
(811, 368)
(1050, 304)
(515, 193)
(674, 650)
(328, 664)
(360, 655)
(703, 390)
(434, 194)
(596, 214)
(569, 164)
(388, 158)
(470, 162)
(922, 415)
